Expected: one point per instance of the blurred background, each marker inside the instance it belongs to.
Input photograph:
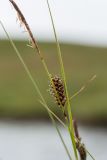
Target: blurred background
(25, 128)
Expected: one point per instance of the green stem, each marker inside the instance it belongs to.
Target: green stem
(71, 129)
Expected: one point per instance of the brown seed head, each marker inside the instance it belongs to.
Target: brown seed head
(24, 23)
(57, 90)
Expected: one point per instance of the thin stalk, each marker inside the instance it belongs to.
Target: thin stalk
(70, 127)
(90, 154)
(83, 87)
(36, 87)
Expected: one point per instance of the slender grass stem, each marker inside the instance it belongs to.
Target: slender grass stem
(83, 87)
(90, 154)
(70, 127)
(36, 87)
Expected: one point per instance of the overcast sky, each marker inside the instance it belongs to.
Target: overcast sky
(80, 21)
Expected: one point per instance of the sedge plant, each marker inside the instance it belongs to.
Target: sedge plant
(58, 89)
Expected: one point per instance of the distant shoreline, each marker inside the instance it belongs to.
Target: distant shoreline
(26, 120)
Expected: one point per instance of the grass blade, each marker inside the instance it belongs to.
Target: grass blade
(71, 129)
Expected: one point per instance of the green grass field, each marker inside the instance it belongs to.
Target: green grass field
(18, 97)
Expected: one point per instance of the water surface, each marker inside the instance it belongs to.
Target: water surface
(39, 141)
